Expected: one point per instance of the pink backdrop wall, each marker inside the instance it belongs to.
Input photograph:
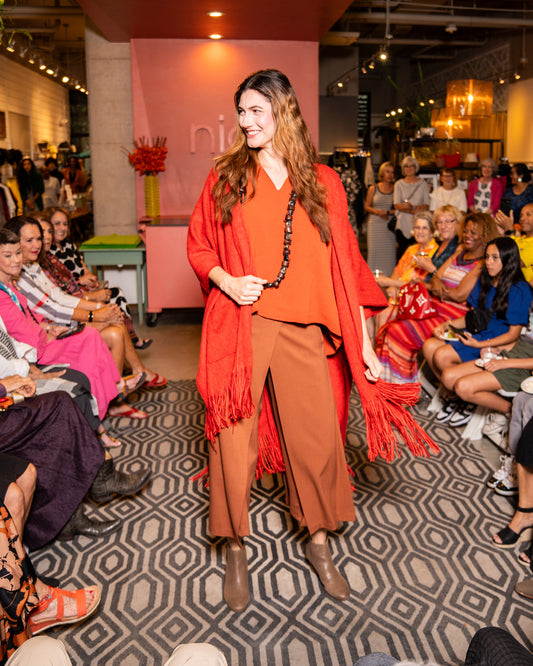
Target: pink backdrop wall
(180, 86)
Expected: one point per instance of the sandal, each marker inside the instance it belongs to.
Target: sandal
(509, 537)
(126, 390)
(82, 610)
(107, 441)
(157, 382)
(130, 413)
(142, 344)
(523, 557)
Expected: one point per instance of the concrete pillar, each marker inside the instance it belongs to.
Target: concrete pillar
(111, 127)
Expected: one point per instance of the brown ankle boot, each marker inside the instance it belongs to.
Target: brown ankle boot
(236, 590)
(319, 557)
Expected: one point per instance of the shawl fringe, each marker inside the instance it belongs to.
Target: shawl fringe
(229, 407)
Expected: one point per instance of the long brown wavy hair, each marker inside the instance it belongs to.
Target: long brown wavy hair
(291, 140)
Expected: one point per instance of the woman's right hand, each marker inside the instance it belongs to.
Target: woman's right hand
(440, 330)
(424, 263)
(53, 330)
(18, 384)
(243, 290)
(100, 296)
(110, 314)
(88, 280)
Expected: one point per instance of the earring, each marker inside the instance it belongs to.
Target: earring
(520, 179)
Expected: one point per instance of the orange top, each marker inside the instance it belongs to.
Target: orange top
(305, 295)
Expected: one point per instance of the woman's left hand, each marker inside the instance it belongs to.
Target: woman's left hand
(424, 263)
(504, 222)
(18, 384)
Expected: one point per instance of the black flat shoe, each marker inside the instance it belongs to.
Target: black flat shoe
(143, 344)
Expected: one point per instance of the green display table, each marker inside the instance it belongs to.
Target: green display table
(119, 251)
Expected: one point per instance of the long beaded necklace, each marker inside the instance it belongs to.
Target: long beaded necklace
(286, 241)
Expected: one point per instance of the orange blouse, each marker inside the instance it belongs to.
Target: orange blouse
(305, 295)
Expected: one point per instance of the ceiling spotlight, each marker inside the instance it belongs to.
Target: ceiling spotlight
(65, 79)
(400, 110)
(451, 28)
(364, 69)
(387, 115)
(215, 14)
(340, 84)
(383, 55)
(10, 47)
(431, 101)
(422, 104)
(501, 80)
(215, 36)
(50, 71)
(371, 65)
(82, 90)
(393, 113)
(516, 75)
(77, 86)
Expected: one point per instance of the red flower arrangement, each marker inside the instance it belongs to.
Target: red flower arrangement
(148, 159)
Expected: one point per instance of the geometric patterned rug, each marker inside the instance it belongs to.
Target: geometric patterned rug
(423, 573)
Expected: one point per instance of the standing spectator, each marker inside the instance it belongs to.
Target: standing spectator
(31, 186)
(381, 242)
(411, 195)
(52, 188)
(75, 176)
(448, 193)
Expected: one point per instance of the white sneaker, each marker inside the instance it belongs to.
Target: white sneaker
(462, 414)
(496, 423)
(503, 471)
(509, 485)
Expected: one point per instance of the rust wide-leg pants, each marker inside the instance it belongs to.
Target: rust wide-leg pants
(292, 358)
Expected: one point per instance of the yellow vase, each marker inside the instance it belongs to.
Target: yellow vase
(151, 196)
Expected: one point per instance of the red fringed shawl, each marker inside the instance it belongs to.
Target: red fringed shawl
(225, 368)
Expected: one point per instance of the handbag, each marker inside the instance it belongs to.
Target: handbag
(414, 302)
(477, 320)
(391, 224)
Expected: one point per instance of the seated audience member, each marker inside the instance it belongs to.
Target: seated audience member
(407, 270)
(525, 242)
(84, 351)
(52, 434)
(17, 358)
(485, 193)
(62, 308)
(450, 286)
(75, 176)
(519, 528)
(448, 194)
(518, 194)
(502, 292)
(70, 258)
(28, 606)
(446, 221)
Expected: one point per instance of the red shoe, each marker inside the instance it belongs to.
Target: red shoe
(131, 413)
(156, 382)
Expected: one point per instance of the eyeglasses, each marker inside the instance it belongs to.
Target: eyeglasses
(446, 221)
(409, 166)
(421, 228)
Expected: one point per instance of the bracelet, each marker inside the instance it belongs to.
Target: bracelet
(91, 316)
(433, 274)
(98, 306)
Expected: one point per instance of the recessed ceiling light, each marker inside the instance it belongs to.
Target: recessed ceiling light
(215, 36)
(50, 71)
(65, 79)
(215, 14)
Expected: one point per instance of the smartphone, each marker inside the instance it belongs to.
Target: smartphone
(71, 331)
(505, 205)
(458, 331)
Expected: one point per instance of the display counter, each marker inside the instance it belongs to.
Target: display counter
(171, 282)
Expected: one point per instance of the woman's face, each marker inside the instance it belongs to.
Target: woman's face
(60, 224)
(48, 234)
(447, 226)
(26, 165)
(10, 262)
(492, 261)
(256, 119)
(486, 170)
(447, 181)
(388, 174)
(73, 162)
(514, 176)
(471, 237)
(423, 233)
(409, 169)
(30, 243)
